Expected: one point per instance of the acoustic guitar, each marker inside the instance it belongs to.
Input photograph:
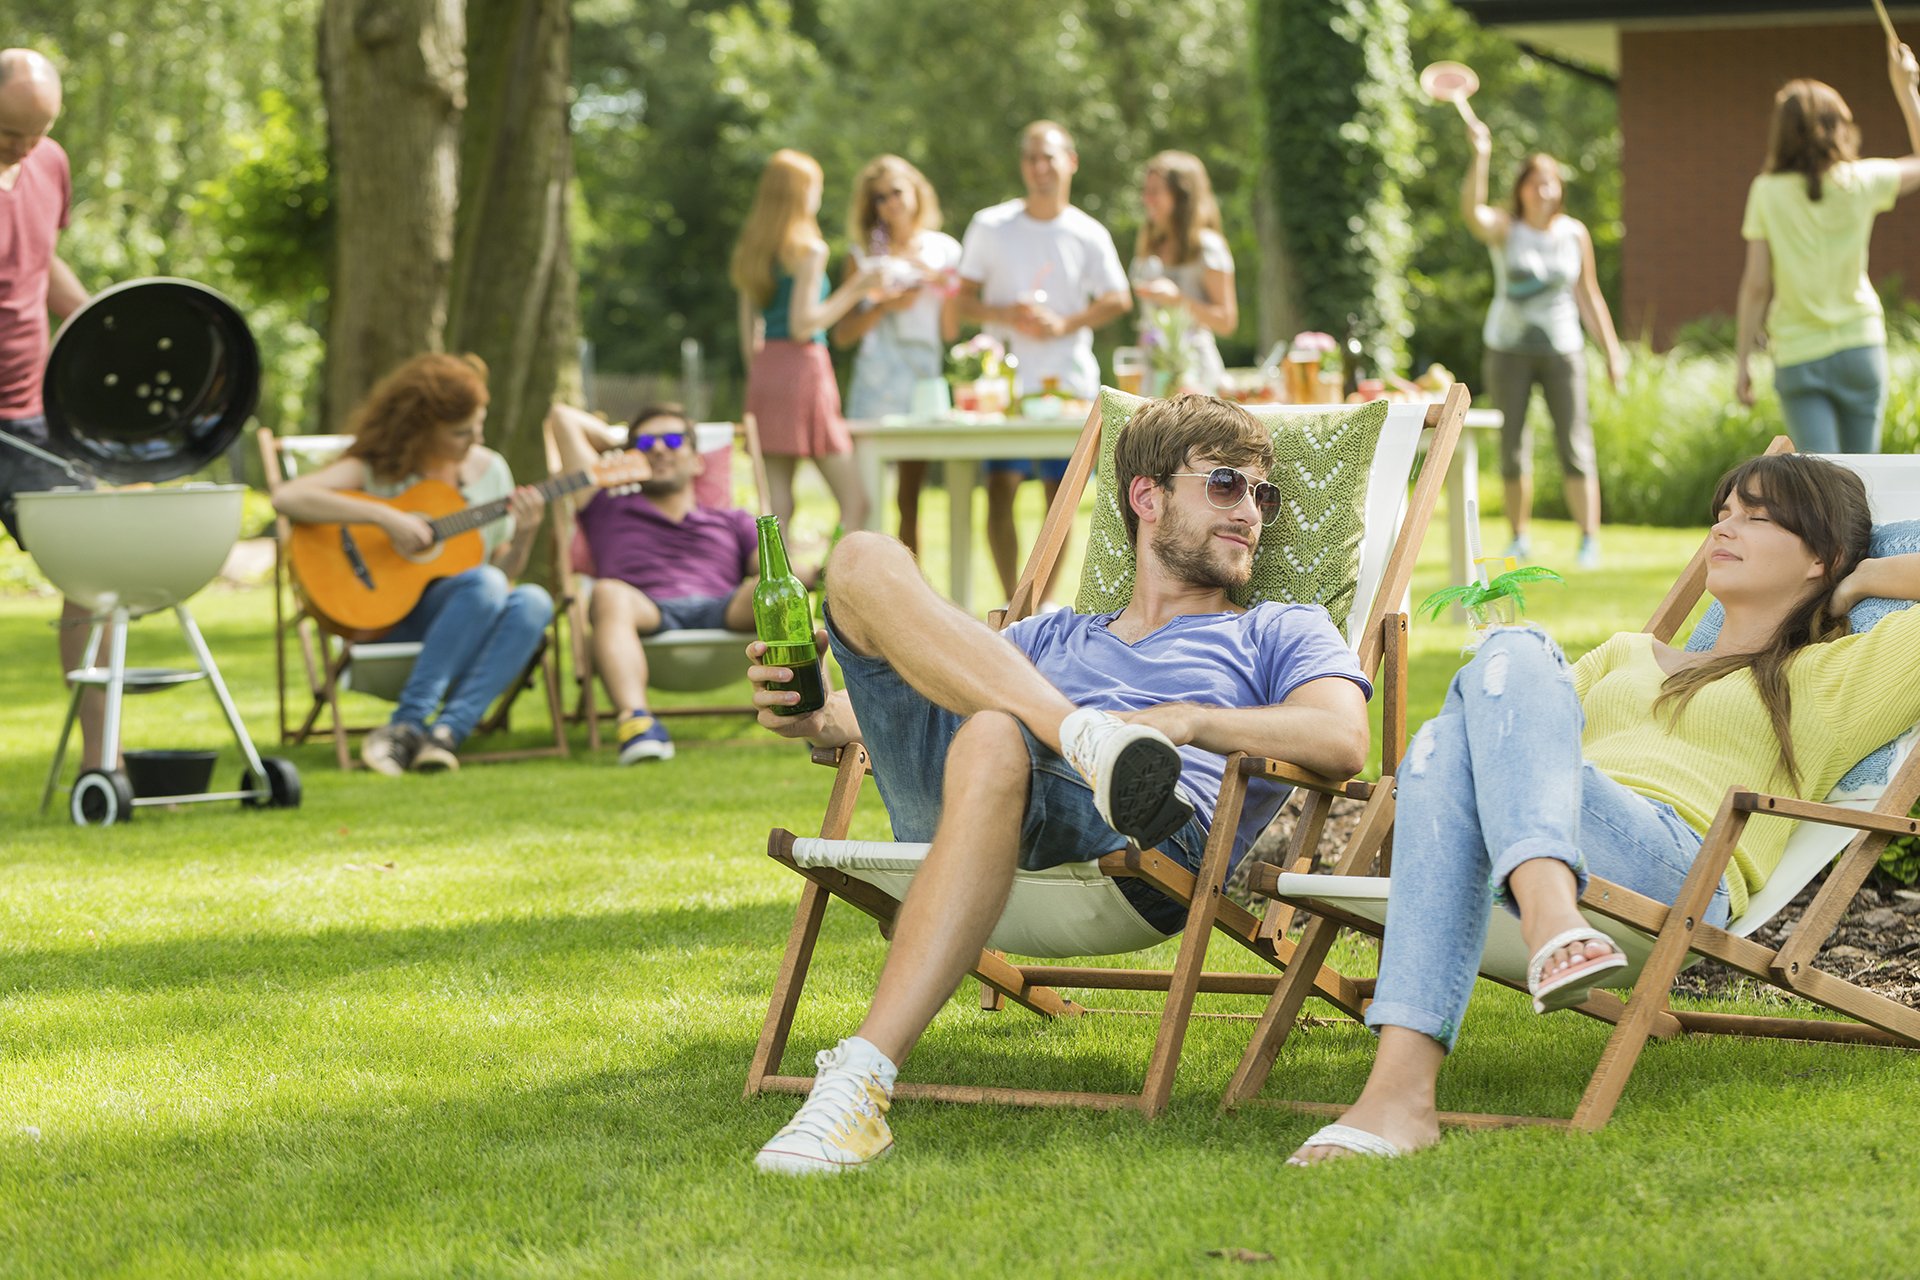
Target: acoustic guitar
(358, 585)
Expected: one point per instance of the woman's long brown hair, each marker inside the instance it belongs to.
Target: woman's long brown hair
(1812, 131)
(779, 228)
(1826, 507)
(1194, 209)
(863, 212)
(395, 428)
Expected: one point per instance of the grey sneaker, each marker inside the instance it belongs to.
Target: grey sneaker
(390, 748)
(1134, 772)
(436, 753)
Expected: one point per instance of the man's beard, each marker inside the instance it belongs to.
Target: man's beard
(1190, 554)
(665, 488)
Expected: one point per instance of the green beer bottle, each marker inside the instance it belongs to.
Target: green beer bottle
(783, 619)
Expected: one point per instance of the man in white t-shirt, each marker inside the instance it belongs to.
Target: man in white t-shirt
(1041, 275)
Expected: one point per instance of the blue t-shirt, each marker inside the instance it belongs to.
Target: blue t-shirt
(1251, 659)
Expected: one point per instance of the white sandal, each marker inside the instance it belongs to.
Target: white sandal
(1345, 1136)
(1572, 985)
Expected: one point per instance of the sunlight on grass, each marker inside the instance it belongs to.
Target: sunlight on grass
(496, 1024)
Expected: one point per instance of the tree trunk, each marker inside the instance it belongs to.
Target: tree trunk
(512, 299)
(394, 72)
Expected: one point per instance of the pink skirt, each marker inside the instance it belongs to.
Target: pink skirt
(794, 399)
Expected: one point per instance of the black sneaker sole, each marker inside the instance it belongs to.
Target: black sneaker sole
(1142, 798)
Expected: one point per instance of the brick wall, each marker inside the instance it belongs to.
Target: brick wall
(1694, 109)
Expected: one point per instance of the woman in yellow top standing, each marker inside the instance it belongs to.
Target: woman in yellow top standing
(1536, 773)
(1808, 220)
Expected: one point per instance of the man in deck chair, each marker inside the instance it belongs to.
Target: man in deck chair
(662, 561)
(1065, 736)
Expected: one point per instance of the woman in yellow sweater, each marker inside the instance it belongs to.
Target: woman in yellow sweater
(1536, 773)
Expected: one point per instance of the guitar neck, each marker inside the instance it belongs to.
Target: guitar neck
(487, 512)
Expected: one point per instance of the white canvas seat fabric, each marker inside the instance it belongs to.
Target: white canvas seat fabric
(1076, 909)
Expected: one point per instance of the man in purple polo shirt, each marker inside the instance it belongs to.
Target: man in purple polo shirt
(662, 562)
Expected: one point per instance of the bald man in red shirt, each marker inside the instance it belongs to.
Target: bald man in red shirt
(36, 196)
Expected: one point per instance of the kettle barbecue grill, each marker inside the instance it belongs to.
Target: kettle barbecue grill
(149, 381)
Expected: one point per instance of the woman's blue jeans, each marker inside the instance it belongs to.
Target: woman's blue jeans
(477, 634)
(1834, 404)
(1496, 779)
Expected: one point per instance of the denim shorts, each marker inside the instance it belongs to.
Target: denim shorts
(1054, 469)
(907, 737)
(692, 613)
(23, 473)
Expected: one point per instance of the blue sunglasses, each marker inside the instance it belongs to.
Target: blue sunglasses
(671, 439)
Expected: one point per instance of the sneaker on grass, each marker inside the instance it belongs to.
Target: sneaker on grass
(843, 1123)
(1134, 771)
(390, 748)
(644, 738)
(436, 752)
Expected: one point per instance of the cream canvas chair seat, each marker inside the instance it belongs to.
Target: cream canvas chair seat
(1659, 941)
(1077, 910)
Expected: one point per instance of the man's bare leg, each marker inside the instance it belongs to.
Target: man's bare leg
(621, 613)
(884, 608)
(1003, 540)
(1583, 502)
(961, 888)
(1519, 496)
(74, 630)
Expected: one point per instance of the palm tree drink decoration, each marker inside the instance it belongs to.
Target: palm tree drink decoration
(1490, 603)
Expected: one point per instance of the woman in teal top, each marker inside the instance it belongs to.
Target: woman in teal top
(1808, 220)
(779, 268)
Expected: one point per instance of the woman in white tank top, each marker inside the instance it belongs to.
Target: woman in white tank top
(1544, 288)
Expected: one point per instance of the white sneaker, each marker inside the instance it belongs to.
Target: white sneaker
(390, 748)
(1521, 548)
(1589, 557)
(842, 1125)
(1134, 772)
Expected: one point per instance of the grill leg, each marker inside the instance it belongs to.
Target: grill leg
(73, 712)
(116, 689)
(205, 659)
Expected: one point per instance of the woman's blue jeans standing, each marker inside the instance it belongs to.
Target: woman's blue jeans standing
(477, 635)
(1834, 404)
(1496, 779)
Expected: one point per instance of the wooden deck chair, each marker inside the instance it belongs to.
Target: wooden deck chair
(1077, 910)
(333, 664)
(1659, 941)
(677, 661)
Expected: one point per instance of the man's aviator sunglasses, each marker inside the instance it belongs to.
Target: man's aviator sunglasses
(644, 442)
(1227, 487)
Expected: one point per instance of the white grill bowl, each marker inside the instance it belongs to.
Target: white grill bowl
(146, 549)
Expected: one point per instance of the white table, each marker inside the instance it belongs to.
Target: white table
(962, 445)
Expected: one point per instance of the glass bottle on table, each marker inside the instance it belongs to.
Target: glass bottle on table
(783, 619)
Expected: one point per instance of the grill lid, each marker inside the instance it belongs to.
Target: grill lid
(151, 380)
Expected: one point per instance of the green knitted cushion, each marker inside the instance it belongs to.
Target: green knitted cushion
(1310, 554)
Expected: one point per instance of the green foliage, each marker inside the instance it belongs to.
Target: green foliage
(1334, 79)
(1530, 106)
(680, 104)
(272, 211)
(160, 95)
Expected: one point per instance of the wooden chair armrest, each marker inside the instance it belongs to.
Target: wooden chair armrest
(1280, 770)
(828, 756)
(1831, 815)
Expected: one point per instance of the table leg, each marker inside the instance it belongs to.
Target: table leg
(1463, 486)
(962, 475)
(873, 473)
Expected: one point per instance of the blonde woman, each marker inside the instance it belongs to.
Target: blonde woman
(903, 330)
(1181, 259)
(780, 270)
(1545, 288)
(1808, 220)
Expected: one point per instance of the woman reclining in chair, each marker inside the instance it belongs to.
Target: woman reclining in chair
(1537, 773)
(423, 421)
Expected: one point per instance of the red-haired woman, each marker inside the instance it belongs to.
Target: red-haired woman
(780, 270)
(1808, 220)
(1544, 288)
(423, 422)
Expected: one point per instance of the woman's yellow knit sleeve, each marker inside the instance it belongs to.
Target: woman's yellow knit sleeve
(1869, 683)
(1597, 662)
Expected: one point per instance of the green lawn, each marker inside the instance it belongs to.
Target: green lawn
(496, 1023)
